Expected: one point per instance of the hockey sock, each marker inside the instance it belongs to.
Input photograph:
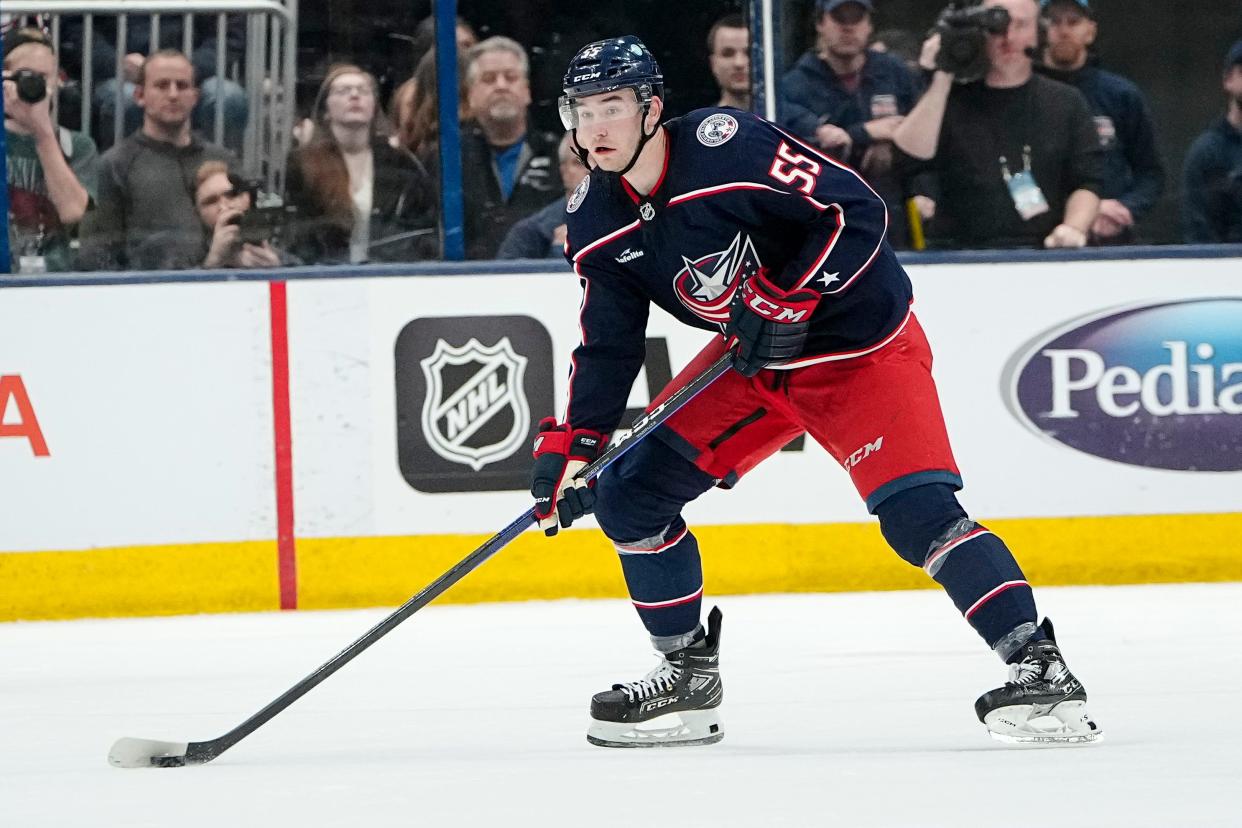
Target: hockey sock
(985, 583)
(927, 527)
(665, 579)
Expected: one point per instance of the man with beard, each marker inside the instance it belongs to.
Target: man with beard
(1212, 210)
(508, 172)
(145, 215)
(1017, 153)
(847, 100)
(1133, 172)
(728, 53)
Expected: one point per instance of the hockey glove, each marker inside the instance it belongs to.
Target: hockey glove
(769, 323)
(560, 453)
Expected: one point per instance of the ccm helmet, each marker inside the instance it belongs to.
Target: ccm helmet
(606, 66)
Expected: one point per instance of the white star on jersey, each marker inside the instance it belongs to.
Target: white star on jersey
(828, 278)
(710, 287)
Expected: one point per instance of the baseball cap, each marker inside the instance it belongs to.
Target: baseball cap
(1234, 57)
(1083, 5)
(826, 6)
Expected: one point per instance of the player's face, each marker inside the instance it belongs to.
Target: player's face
(168, 94)
(845, 30)
(351, 100)
(217, 194)
(1070, 34)
(1010, 49)
(730, 60)
(609, 127)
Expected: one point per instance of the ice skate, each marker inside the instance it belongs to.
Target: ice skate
(1042, 703)
(676, 704)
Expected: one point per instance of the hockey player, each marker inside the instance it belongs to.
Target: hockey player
(732, 225)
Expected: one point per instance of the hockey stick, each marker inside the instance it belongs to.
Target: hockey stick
(129, 752)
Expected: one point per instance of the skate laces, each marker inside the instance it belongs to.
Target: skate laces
(660, 680)
(1049, 668)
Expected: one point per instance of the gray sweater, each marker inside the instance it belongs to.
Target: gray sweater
(144, 216)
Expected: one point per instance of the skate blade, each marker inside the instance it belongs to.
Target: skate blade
(685, 729)
(1068, 723)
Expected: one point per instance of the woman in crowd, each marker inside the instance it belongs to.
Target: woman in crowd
(357, 197)
(418, 113)
(222, 200)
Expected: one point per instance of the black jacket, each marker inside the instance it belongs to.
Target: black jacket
(1212, 199)
(488, 216)
(1133, 172)
(403, 213)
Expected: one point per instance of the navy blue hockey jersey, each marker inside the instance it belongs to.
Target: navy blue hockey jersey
(737, 194)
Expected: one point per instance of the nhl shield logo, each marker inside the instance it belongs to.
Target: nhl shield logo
(475, 411)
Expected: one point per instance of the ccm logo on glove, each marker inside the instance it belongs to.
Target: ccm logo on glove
(561, 452)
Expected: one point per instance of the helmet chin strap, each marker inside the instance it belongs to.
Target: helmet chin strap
(642, 142)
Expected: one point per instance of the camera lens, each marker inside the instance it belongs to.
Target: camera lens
(31, 86)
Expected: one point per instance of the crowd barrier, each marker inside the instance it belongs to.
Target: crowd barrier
(210, 442)
(266, 71)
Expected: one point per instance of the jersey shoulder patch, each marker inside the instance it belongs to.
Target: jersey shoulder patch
(716, 129)
(579, 195)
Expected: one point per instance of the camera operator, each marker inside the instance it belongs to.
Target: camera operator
(1017, 154)
(52, 171)
(222, 200)
(1212, 206)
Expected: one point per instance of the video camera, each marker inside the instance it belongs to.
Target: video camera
(964, 28)
(267, 219)
(31, 86)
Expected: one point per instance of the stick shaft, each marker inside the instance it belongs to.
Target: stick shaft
(199, 752)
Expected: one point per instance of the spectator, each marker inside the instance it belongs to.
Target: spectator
(847, 100)
(222, 199)
(728, 51)
(52, 172)
(357, 198)
(1133, 172)
(542, 235)
(507, 170)
(145, 216)
(424, 39)
(1018, 154)
(419, 129)
(401, 113)
(1212, 197)
(138, 44)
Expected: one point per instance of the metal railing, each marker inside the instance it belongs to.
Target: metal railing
(268, 73)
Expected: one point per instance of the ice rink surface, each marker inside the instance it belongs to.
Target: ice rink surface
(843, 710)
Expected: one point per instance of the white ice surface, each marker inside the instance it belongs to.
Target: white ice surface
(843, 710)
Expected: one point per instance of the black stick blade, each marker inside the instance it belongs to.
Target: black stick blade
(147, 753)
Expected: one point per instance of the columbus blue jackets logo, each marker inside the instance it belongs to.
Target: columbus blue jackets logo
(706, 284)
(480, 415)
(579, 194)
(716, 129)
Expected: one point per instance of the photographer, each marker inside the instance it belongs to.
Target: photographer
(52, 171)
(1212, 210)
(1018, 156)
(223, 202)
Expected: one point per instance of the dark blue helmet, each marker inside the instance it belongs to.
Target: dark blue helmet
(607, 65)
